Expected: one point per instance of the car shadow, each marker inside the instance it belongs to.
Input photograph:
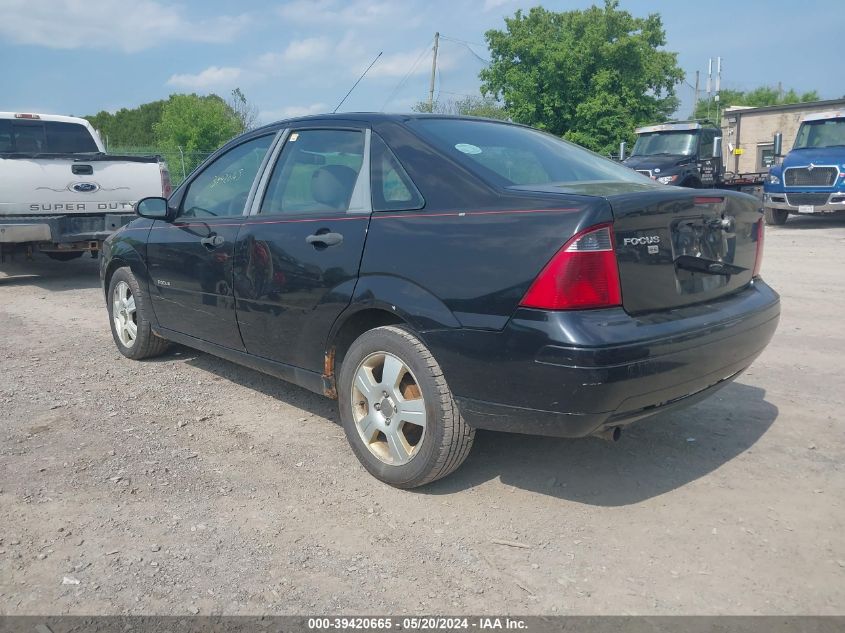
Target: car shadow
(653, 456)
(254, 380)
(48, 274)
(811, 222)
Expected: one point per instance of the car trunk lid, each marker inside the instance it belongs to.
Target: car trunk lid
(678, 246)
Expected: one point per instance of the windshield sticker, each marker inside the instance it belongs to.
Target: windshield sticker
(466, 148)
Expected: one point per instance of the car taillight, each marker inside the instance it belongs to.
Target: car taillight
(582, 275)
(758, 258)
(166, 185)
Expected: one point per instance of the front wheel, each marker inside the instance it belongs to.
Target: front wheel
(397, 410)
(130, 318)
(775, 217)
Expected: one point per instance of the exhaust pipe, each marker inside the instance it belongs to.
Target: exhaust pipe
(611, 434)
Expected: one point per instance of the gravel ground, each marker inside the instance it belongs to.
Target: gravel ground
(191, 485)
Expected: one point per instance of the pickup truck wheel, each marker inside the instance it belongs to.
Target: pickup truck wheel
(129, 318)
(775, 217)
(64, 257)
(397, 410)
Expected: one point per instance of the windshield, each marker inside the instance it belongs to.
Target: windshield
(516, 155)
(826, 133)
(674, 143)
(45, 137)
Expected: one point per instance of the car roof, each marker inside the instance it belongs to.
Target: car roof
(375, 117)
(37, 116)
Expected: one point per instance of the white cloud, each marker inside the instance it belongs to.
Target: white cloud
(211, 77)
(489, 5)
(310, 50)
(342, 12)
(416, 62)
(128, 26)
(289, 112)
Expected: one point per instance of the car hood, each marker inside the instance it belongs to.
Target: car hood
(815, 155)
(663, 162)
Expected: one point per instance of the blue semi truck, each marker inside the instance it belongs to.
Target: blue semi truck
(811, 177)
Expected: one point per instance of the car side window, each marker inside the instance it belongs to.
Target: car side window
(317, 172)
(222, 188)
(392, 188)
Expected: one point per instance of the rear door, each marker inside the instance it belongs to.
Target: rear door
(191, 259)
(681, 246)
(299, 253)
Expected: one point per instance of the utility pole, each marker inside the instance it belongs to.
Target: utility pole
(695, 101)
(433, 73)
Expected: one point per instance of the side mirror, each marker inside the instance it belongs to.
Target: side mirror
(717, 147)
(155, 209)
(777, 144)
(622, 147)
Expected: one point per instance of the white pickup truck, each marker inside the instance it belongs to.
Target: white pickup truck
(60, 193)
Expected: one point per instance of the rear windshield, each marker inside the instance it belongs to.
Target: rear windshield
(45, 137)
(514, 155)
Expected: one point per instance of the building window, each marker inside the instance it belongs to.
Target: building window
(765, 156)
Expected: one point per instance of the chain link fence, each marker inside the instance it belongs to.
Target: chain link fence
(180, 162)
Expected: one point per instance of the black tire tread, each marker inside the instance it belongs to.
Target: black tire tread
(147, 343)
(457, 439)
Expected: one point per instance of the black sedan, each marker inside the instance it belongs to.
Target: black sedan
(438, 275)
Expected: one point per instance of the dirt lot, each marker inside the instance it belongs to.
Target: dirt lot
(192, 485)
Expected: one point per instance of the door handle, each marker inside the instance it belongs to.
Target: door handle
(212, 241)
(323, 240)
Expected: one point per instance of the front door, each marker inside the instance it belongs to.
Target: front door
(191, 259)
(299, 252)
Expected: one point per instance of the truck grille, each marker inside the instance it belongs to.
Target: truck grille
(644, 172)
(806, 177)
(814, 199)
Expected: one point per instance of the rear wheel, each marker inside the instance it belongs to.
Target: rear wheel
(775, 217)
(398, 412)
(130, 318)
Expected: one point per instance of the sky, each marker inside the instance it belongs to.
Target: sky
(299, 57)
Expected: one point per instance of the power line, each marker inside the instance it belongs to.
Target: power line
(466, 45)
(402, 81)
(460, 41)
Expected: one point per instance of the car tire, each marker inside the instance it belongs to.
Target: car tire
(64, 256)
(775, 217)
(129, 316)
(398, 451)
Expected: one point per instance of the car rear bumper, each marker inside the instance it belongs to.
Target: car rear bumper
(572, 374)
(60, 229)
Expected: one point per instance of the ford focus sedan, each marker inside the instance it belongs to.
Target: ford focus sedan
(438, 275)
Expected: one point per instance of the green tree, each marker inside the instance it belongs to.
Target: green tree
(759, 97)
(128, 127)
(193, 126)
(591, 76)
(485, 106)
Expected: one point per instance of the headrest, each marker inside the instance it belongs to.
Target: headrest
(332, 185)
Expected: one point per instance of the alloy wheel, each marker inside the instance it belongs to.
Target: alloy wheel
(388, 408)
(124, 314)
